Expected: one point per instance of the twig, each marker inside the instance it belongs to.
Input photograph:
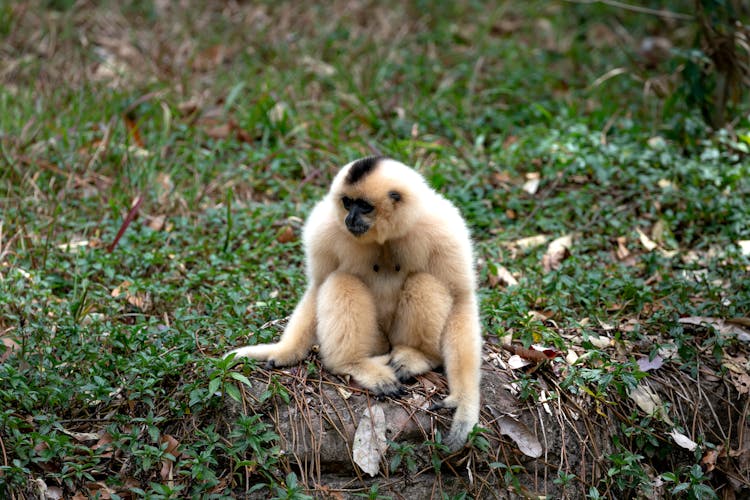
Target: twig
(637, 8)
(128, 219)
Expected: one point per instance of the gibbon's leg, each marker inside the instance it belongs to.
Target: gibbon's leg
(419, 321)
(350, 341)
(462, 356)
(296, 341)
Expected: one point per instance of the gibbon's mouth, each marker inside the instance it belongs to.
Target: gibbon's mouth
(358, 229)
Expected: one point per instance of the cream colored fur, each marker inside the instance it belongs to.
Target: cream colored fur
(417, 311)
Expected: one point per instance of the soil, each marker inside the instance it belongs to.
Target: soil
(525, 445)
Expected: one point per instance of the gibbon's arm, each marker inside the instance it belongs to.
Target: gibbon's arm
(299, 335)
(462, 352)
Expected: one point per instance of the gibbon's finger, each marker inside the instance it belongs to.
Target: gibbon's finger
(443, 403)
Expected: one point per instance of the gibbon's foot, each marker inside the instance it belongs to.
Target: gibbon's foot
(407, 362)
(459, 432)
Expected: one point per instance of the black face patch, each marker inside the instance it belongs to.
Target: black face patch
(362, 168)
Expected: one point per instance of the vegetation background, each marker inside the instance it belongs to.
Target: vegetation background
(157, 159)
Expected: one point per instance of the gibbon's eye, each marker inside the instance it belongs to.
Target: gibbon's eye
(347, 202)
(394, 195)
(364, 206)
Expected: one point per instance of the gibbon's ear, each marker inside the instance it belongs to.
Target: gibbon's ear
(394, 195)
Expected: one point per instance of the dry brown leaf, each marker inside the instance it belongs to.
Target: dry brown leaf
(99, 490)
(156, 222)
(556, 252)
(709, 458)
(530, 242)
(52, 492)
(500, 178)
(648, 401)
(502, 276)
(646, 364)
(221, 131)
(683, 441)
(741, 382)
(531, 185)
(521, 435)
(724, 327)
(167, 464)
(622, 249)
(286, 235)
(647, 242)
(600, 341)
(210, 58)
(370, 442)
(11, 346)
(104, 440)
(317, 66)
(516, 362)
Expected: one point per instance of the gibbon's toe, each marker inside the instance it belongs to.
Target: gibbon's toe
(388, 389)
(404, 375)
(458, 434)
(443, 403)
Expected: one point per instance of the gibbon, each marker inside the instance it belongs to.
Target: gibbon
(391, 289)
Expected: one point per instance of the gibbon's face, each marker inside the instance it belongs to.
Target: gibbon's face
(369, 196)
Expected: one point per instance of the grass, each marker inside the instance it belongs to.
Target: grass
(230, 120)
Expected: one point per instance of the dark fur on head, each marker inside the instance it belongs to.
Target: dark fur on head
(361, 168)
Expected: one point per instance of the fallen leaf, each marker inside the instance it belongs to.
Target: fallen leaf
(278, 112)
(81, 436)
(516, 362)
(286, 235)
(167, 463)
(600, 341)
(647, 243)
(731, 327)
(73, 246)
(317, 66)
(646, 364)
(99, 490)
(521, 435)
(502, 276)
(622, 250)
(344, 393)
(744, 247)
(221, 131)
(531, 186)
(53, 492)
(530, 242)
(156, 222)
(369, 440)
(11, 346)
(571, 357)
(741, 382)
(556, 252)
(709, 458)
(210, 58)
(648, 401)
(683, 441)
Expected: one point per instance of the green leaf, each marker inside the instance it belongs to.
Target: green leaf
(233, 391)
(213, 386)
(241, 378)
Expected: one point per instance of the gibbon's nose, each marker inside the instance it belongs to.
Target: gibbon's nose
(354, 222)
